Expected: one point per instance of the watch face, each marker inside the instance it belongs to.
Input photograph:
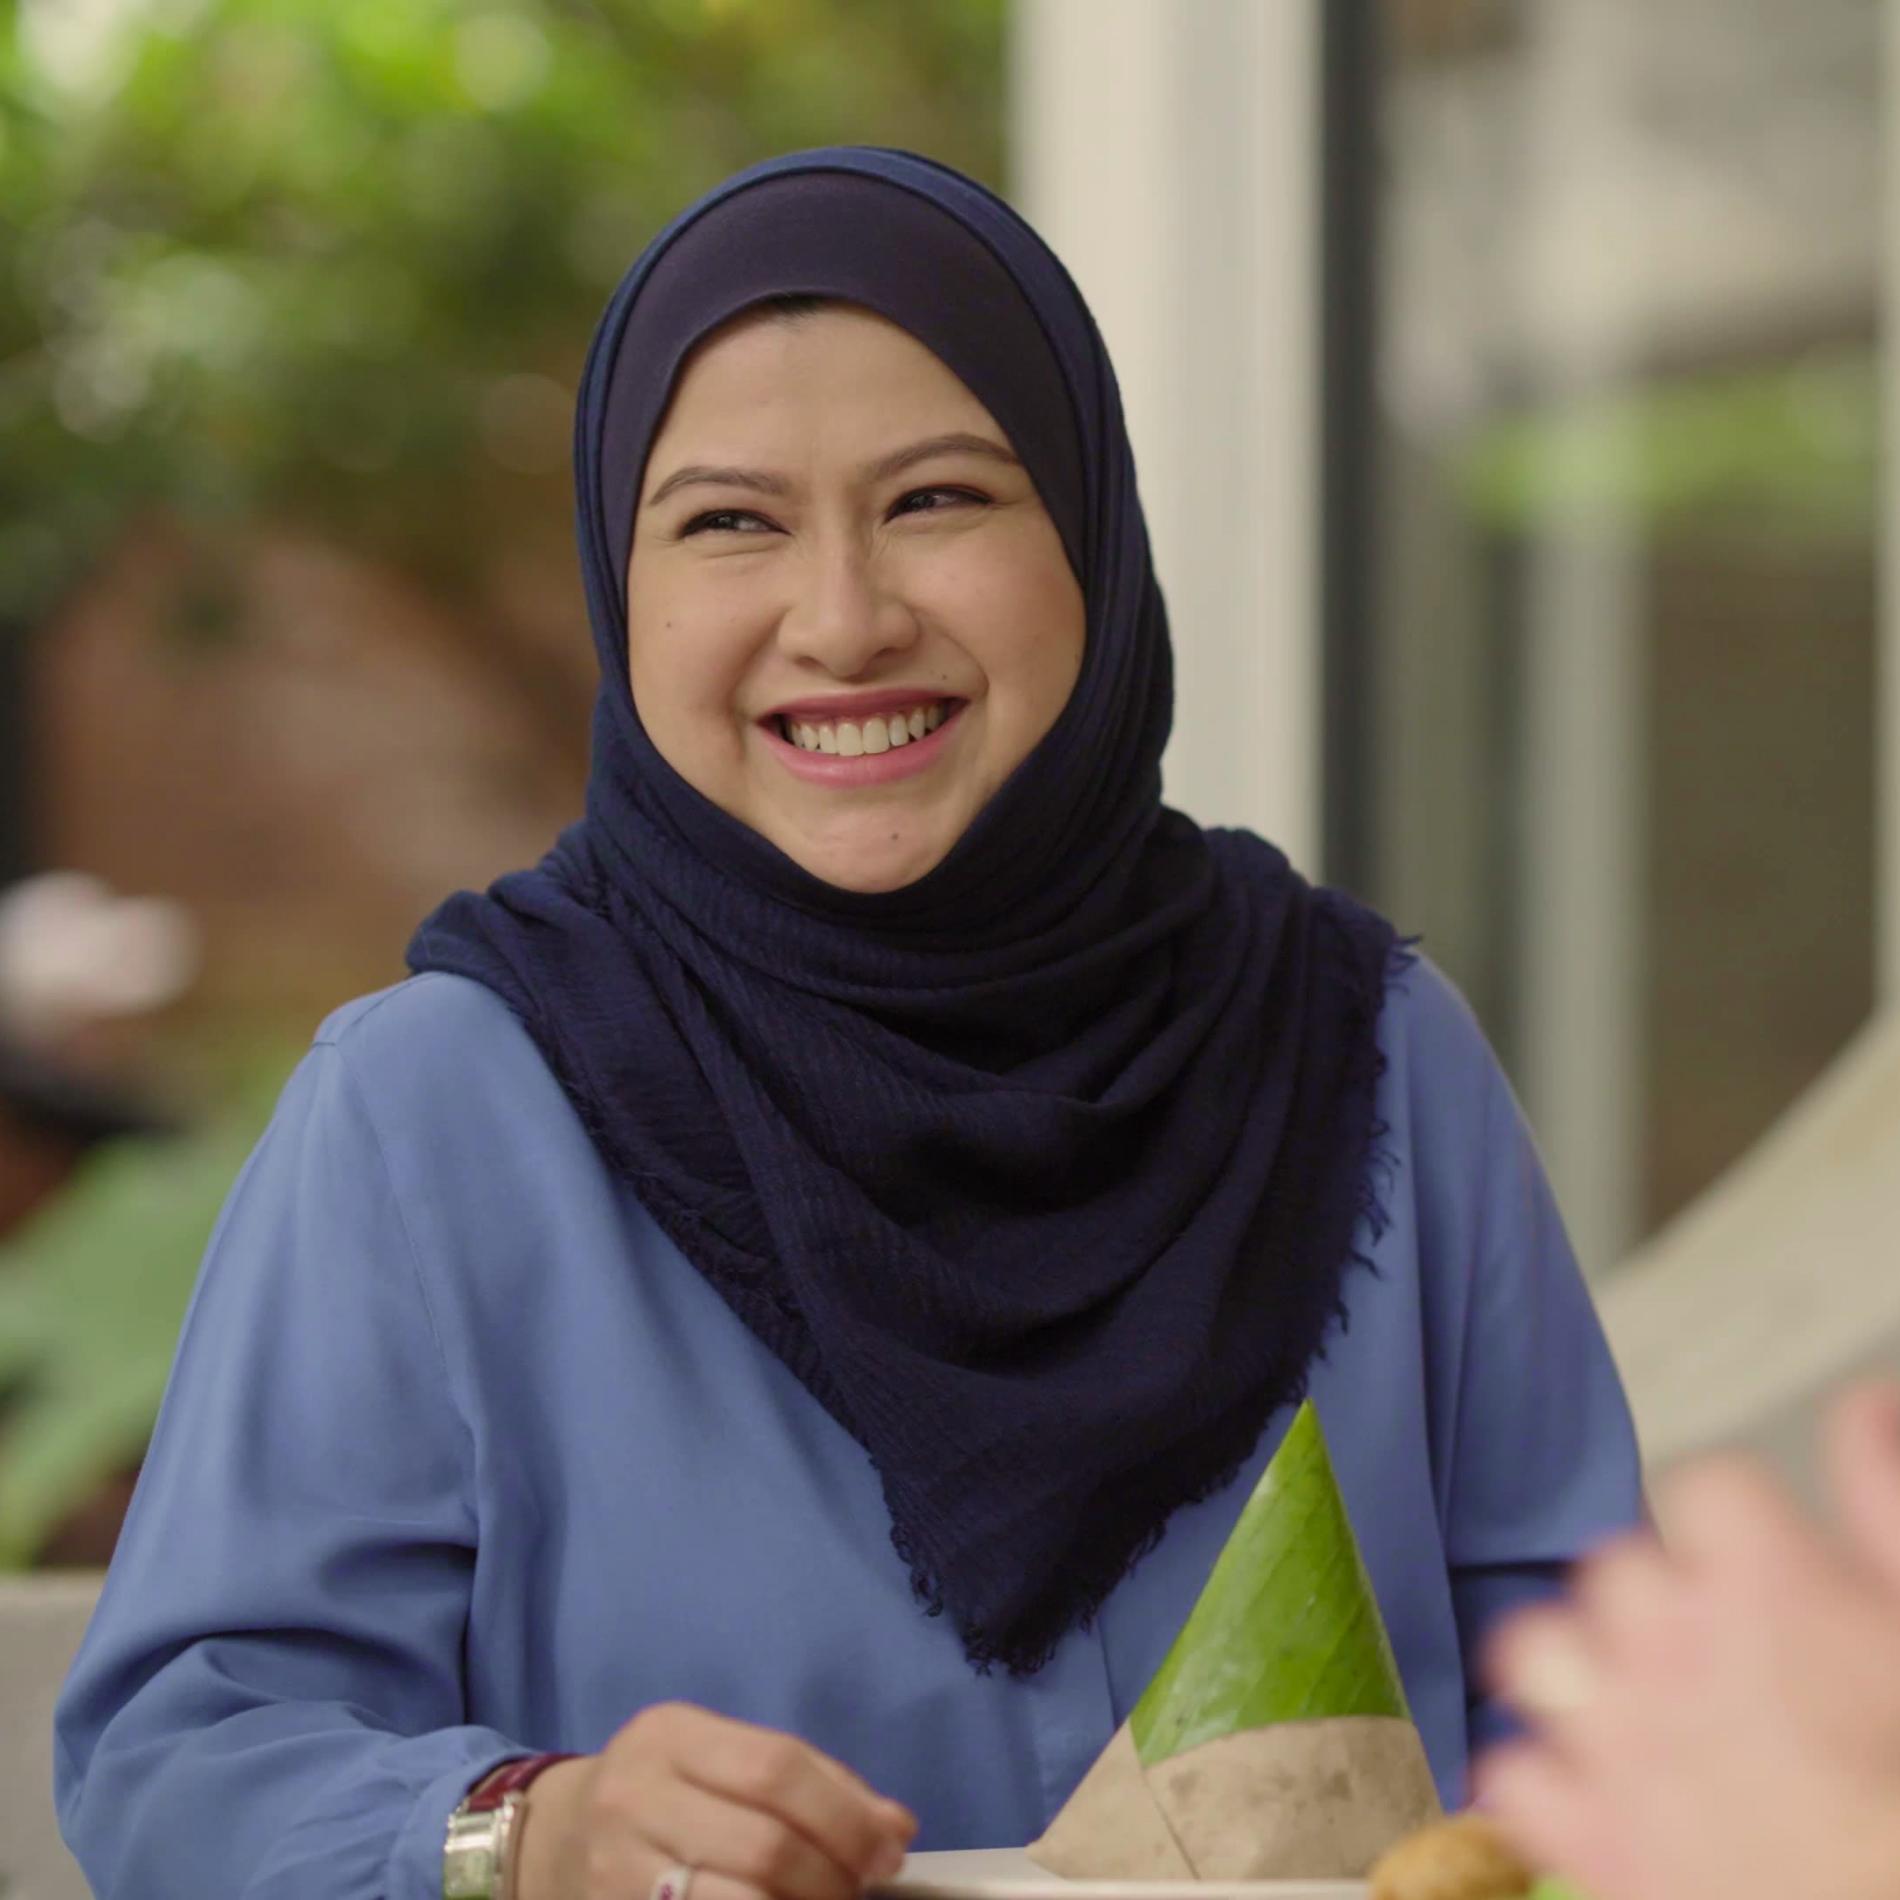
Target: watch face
(471, 1856)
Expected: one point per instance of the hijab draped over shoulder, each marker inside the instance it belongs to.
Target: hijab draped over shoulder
(1041, 1173)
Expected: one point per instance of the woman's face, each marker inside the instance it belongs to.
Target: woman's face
(849, 614)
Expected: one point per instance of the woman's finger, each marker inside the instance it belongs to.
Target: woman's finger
(1628, 1599)
(864, 1834)
(706, 1885)
(1863, 1463)
(1724, 1513)
(624, 1869)
(1541, 1662)
(851, 1779)
(694, 1828)
(1534, 1798)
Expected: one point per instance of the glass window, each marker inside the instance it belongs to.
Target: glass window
(1611, 716)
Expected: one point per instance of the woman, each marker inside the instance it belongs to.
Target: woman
(798, 1286)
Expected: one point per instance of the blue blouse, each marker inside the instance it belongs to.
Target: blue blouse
(460, 1459)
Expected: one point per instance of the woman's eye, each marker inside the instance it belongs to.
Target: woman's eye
(724, 521)
(930, 501)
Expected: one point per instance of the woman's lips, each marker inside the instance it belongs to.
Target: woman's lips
(870, 768)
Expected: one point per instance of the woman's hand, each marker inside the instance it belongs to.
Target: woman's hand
(1718, 1717)
(755, 1814)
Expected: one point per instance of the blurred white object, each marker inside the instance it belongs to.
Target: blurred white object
(74, 952)
(1735, 1321)
(1007, 1873)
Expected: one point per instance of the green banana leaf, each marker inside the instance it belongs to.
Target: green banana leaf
(1287, 1628)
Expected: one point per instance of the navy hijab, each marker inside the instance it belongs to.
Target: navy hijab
(1041, 1173)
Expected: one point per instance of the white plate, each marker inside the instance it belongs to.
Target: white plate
(1007, 1873)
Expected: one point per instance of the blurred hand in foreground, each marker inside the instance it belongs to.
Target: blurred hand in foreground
(1718, 1717)
(754, 1814)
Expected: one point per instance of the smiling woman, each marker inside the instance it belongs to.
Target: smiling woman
(839, 555)
(763, 1337)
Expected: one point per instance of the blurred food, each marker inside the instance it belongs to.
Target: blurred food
(1461, 1858)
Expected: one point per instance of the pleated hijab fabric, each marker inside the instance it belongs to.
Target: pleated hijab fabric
(1042, 1173)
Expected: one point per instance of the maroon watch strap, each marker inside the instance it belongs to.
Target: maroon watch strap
(510, 1778)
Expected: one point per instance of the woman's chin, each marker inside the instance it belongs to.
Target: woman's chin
(868, 866)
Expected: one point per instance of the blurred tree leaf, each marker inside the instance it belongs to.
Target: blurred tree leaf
(91, 1295)
(1789, 448)
(338, 260)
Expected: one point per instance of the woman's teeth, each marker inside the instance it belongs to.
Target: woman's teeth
(851, 739)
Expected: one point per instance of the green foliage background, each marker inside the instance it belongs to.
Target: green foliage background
(338, 260)
(91, 1295)
(334, 264)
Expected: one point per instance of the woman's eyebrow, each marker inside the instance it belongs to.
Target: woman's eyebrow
(697, 473)
(956, 443)
(763, 482)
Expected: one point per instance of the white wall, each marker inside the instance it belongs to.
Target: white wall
(1169, 153)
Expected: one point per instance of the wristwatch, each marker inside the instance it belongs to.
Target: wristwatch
(478, 1857)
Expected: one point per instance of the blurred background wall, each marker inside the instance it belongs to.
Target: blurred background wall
(1507, 383)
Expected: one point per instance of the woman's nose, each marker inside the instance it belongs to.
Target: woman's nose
(845, 614)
